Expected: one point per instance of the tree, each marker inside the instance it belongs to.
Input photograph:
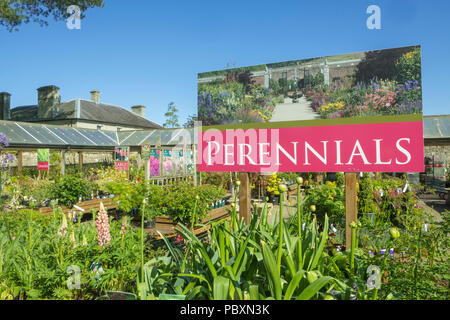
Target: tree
(14, 13)
(379, 64)
(190, 121)
(172, 117)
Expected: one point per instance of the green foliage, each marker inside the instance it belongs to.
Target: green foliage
(180, 200)
(231, 102)
(55, 163)
(310, 81)
(35, 259)
(329, 199)
(296, 259)
(177, 201)
(275, 86)
(17, 12)
(365, 196)
(240, 263)
(172, 116)
(69, 189)
(408, 67)
(220, 179)
(27, 190)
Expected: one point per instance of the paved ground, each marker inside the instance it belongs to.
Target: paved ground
(289, 111)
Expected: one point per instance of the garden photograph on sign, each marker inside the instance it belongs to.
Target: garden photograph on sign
(373, 83)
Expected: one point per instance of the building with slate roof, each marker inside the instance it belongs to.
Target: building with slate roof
(77, 113)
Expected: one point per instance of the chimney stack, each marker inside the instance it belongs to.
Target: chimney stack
(48, 101)
(5, 106)
(139, 110)
(95, 96)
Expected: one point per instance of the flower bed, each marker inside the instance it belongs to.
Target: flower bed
(399, 95)
(234, 260)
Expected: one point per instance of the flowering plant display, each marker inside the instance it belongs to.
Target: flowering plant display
(154, 163)
(273, 183)
(233, 102)
(102, 224)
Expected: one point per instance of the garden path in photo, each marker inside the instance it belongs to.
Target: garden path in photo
(289, 111)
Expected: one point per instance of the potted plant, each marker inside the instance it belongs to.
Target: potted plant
(272, 188)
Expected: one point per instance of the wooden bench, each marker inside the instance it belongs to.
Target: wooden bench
(109, 203)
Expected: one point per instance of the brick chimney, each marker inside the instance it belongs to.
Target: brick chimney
(139, 110)
(48, 101)
(5, 106)
(95, 96)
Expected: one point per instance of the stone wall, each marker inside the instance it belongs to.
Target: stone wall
(438, 149)
(342, 73)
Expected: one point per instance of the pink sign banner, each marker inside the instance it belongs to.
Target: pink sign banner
(121, 165)
(369, 147)
(42, 166)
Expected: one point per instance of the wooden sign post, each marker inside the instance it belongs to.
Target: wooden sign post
(244, 197)
(351, 208)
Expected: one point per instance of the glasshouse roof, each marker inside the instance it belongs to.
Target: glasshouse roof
(31, 135)
(436, 127)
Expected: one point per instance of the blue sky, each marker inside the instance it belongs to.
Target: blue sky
(150, 52)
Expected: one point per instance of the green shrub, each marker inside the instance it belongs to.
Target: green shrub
(365, 196)
(328, 199)
(69, 189)
(408, 67)
(180, 201)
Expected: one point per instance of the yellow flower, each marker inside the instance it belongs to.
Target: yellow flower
(409, 55)
(331, 184)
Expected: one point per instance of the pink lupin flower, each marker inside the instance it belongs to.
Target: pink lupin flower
(123, 230)
(102, 224)
(63, 229)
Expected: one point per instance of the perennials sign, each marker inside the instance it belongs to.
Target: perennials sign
(356, 112)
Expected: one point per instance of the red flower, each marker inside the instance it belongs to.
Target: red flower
(179, 238)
